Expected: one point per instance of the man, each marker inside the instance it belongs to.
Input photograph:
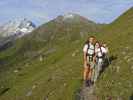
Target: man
(89, 53)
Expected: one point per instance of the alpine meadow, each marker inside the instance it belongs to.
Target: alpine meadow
(47, 63)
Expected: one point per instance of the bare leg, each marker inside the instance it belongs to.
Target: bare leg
(90, 74)
(86, 73)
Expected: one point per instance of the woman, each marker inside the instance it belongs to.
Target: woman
(89, 53)
(100, 53)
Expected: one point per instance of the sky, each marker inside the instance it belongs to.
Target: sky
(41, 11)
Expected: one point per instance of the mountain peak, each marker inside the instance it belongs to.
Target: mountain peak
(17, 27)
(69, 15)
(72, 18)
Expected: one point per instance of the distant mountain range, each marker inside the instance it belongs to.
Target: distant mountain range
(17, 28)
(12, 30)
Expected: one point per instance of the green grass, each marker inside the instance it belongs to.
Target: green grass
(66, 74)
(118, 36)
(59, 75)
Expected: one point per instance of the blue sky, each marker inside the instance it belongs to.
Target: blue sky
(41, 11)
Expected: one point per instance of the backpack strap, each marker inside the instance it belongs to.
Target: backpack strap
(88, 47)
(101, 50)
(103, 54)
(94, 50)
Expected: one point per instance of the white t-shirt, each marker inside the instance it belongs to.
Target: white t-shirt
(98, 51)
(90, 50)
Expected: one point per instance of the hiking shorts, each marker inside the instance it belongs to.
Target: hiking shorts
(91, 64)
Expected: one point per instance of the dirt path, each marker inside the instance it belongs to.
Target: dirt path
(87, 93)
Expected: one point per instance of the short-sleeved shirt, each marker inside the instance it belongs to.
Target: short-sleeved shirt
(99, 52)
(89, 50)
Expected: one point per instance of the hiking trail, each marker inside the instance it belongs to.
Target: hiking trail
(87, 93)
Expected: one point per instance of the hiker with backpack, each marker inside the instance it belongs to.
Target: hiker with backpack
(100, 52)
(89, 61)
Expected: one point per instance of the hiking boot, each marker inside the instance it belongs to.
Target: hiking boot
(88, 83)
(85, 83)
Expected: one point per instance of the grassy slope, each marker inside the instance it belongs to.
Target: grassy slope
(117, 81)
(57, 76)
